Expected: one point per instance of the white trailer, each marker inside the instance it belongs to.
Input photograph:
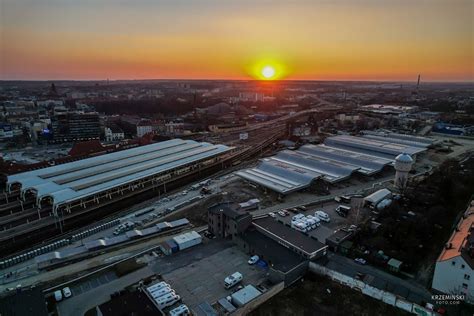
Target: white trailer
(167, 300)
(233, 279)
(162, 292)
(157, 286)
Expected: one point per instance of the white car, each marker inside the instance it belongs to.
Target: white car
(253, 259)
(67, 292)
(360, 261)
(281, 213)
(58, 296)
(272, 214)
(322, 216)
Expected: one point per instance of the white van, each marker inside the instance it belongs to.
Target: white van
(233, 279)
(58, 295)
(300, 226)
(314, 221)
(167, 300)
(181, 310)
(162, 292)
(322, 216)
(297, 217)
(158, 286)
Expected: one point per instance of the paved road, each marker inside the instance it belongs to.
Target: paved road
(409, 289)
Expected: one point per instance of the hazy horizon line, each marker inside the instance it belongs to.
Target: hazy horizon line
(250, 80)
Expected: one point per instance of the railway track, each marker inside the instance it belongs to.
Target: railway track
(18, 223)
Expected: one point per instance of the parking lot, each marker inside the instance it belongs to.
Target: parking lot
(203, 280)
(325, 229)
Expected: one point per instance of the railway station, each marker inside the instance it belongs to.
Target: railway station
(334, 161)
(52, 196)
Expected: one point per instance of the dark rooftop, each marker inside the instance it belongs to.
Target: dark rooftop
(277, 256)
(130, 303)
(295, 238)
(228, 210)
(205, 309)
(339, 236)
(25, 303)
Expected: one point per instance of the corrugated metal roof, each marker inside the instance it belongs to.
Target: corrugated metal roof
(367, 164)
(336, 160)
(377, 196)
(364, 145)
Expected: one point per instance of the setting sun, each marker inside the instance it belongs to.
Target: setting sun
(268, 72)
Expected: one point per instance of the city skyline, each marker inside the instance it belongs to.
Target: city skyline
(301, 40)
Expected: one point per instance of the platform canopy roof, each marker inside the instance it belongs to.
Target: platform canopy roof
(380, 148)
(79, 179)
(335, 160)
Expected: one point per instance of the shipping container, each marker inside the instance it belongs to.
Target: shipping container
(169, 247)
(187, 240)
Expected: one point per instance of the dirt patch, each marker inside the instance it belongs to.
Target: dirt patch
(310, 297)
(197, 213)
(240, 191)
(127, 267)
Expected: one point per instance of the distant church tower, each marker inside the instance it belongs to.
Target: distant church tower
(403, 164)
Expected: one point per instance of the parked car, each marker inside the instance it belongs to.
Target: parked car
(272, 214)
(286, 212)
(253, 259)
(352, 228)
(342, 210)
(294, 210)
(360, 261)
(58, 295)
(322, 216)
(67, 292)
(302, 208)
(281, 213)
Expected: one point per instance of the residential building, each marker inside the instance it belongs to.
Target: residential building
(144, 127)
(454, 269)
(174, 128)
(114, 133)
(251, 96)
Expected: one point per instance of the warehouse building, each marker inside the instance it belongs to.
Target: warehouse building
(300, 243)
(286, 251)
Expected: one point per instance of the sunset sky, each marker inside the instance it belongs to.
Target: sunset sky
(224, 39)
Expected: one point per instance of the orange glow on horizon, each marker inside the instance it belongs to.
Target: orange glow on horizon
(301, 40)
